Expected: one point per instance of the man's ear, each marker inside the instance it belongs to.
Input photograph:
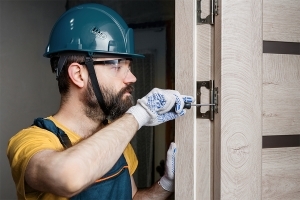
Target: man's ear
(77, 74)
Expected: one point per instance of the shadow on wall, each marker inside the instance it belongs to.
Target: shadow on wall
(28, 88)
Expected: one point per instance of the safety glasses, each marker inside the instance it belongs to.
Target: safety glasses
(117, 67)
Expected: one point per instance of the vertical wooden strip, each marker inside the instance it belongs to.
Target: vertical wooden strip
(217, 123)
(241, 99)
(185, 83)
(204, 158)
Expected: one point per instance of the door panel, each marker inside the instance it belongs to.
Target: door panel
(281, 21)
(281, 108)
(280, 173)
(281, 96)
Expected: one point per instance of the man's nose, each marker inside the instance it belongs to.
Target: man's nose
(130, 78)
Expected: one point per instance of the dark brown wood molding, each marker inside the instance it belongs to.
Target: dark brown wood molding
(276, 47)
(277, 141)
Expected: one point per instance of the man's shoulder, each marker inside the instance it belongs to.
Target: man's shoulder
(32, 132)
(33, 137)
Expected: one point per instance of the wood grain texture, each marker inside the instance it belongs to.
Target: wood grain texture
(241, 99)
(185, 83)
(281, 96)
(281, 173)
(281, 20)
(204, 135)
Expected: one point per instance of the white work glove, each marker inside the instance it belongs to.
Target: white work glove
(157, 107)
(167, 181)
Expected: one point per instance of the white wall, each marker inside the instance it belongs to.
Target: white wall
(27, 86)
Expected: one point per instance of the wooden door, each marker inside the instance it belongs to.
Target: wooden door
(281, 97)
(252, 148)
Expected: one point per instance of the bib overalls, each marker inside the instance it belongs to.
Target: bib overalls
(114, 185)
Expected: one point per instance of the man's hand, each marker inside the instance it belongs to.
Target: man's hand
(156, 107)
(165, 186)
(167, 181)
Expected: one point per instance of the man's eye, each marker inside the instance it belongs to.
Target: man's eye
(116, 68)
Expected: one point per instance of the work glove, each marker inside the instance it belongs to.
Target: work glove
(159, 106)
(168, 180)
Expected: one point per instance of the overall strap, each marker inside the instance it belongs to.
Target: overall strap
(50, 126)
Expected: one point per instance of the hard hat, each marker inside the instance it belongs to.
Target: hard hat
(94, 29)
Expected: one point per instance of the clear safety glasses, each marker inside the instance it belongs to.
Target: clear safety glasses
(117, 67)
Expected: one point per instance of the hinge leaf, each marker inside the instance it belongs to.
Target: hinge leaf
(210, 19)
(213, 108)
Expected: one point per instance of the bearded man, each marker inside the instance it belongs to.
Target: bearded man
(83, 151)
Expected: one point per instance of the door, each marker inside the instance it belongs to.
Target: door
(281, 97)
(252, 148)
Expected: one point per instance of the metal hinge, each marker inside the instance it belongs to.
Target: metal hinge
(210, 19)
(213, 105)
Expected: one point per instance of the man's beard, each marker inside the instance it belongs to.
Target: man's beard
(116, 104)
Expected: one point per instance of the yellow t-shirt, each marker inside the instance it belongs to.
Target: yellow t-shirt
(28, 142)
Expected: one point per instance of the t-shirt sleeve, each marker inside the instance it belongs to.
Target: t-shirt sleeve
(23, 146)
(131, 159)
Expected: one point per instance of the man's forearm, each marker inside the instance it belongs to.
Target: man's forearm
(89, 160)
(154, 192)
(99, 153)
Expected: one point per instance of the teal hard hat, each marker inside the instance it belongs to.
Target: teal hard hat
(94, 29)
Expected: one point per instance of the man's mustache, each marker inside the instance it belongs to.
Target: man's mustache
(129, 88)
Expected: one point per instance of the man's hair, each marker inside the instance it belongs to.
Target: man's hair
(64, 79)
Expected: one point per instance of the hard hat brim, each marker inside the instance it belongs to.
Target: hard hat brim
(94, 54)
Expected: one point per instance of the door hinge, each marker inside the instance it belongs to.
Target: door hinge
(210, 19)
(213, 104)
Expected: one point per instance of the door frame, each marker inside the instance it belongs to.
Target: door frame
(220, 159)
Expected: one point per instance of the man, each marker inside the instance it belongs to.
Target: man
(83, 150)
